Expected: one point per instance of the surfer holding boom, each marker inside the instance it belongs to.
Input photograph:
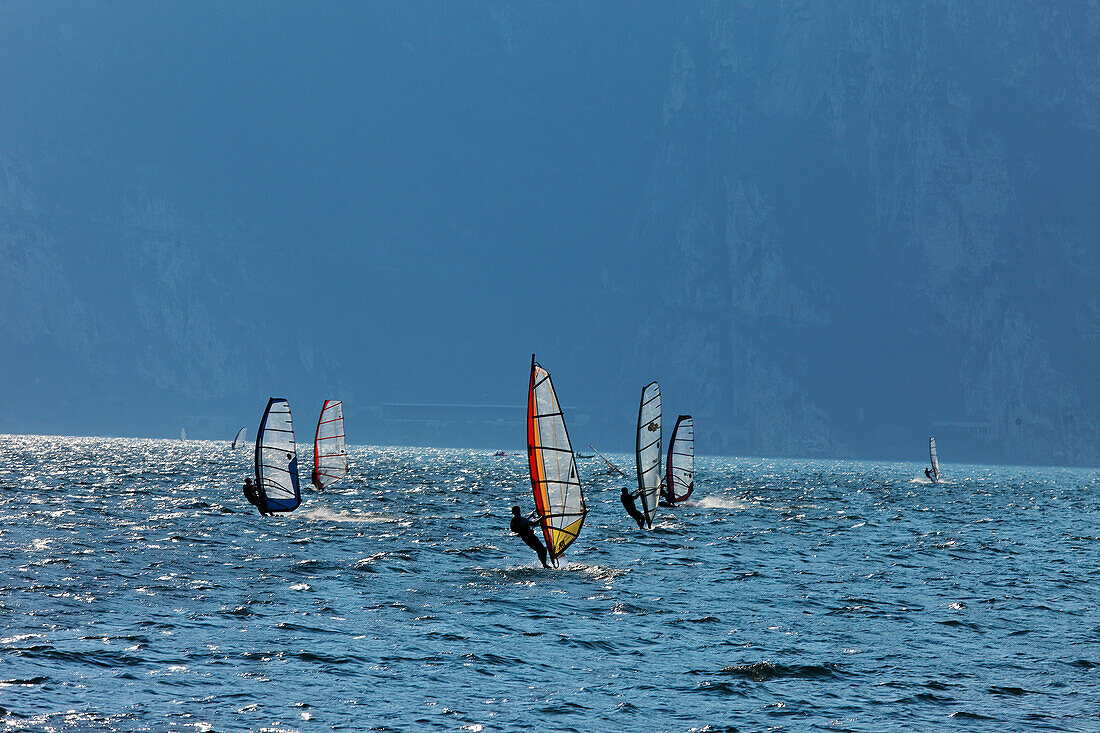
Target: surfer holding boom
(253, 496)
(525, 529)
(628, 500)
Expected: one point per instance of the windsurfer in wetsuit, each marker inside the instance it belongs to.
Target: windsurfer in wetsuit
(928, 473)
(628, 500)
(525, 529)
(666, 496)
(253, 496)
(315, 479)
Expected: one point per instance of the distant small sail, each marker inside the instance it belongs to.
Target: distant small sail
(330, 454)
(935, 459)
(609, 463)
(680, 466)
(277, 459)
(648, 449)
(554, 478)
(183, 433)
(236, 440)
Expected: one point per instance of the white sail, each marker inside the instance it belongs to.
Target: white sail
(680, 464)
(330, 453)
(648, 449)
(237, 438)
(277, 459)
(935, 459)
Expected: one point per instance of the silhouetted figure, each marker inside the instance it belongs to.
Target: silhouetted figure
(928, 473)
(628, 500)
(525, 528)
(666, 496)
(253, 497)
(315, 479)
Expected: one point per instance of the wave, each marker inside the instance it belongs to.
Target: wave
(716, 502)
(326, 514)
(765, 671)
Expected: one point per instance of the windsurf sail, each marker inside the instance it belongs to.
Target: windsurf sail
(554, 478)
(609, 463)
(680, 466)
(236, 440)
(648, 449)
(277, 459)
(330, 454)
(183, 433)
(935, 459)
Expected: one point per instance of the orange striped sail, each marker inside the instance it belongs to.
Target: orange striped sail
(554, 477)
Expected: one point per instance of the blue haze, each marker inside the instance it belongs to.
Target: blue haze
(828, 230)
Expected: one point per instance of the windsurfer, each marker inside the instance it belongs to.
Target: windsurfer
(928, 473)
(253, 496)
(525, 529)
(666, 497)
(628, 500)
(315, 479)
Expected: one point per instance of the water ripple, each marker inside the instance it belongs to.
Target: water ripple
(138, 591)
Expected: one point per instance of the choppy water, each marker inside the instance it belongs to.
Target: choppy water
(139, 592)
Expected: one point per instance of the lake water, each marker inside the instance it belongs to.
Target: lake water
(139, 591)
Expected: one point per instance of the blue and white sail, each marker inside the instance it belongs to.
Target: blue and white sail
(277, 459)
(680, 464)
(935, 459)
(648, 450)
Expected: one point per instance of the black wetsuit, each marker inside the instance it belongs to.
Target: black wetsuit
(666, 500)
(524, 528)
(253, 497)
(928, 473)
(628, 503)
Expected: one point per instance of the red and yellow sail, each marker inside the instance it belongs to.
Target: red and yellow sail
(554, 478)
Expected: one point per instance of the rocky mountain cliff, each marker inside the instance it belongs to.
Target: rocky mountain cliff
(872, 220)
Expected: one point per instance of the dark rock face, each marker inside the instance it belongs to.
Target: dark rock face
(829, 229)
(875, 220)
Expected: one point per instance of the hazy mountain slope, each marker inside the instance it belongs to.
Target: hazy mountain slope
(878, 220)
